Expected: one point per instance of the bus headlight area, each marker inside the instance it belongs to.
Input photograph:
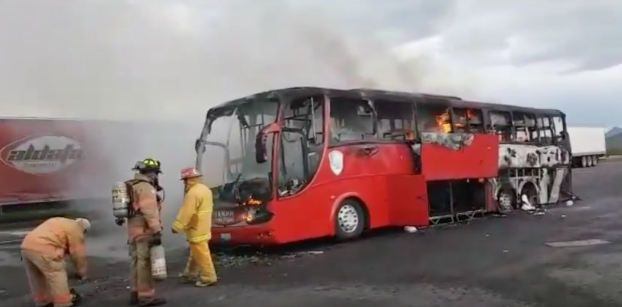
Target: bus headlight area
(257, 216)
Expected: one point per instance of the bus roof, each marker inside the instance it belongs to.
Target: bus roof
(375, 94)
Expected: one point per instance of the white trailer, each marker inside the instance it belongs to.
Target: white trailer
(587, 144)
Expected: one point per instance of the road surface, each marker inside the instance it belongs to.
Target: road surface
(491, 262)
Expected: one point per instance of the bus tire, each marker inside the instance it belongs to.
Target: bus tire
(506, 199)
(350, 220)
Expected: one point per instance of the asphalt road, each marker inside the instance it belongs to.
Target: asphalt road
(490, 262)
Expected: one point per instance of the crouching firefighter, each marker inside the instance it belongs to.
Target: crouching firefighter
(43, 252)
(142, 210)
(195, 220)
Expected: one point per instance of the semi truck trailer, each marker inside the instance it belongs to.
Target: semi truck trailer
(587, 144)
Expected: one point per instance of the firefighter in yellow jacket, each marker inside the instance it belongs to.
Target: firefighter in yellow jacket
(43, 253)
(144, 231)
(195, 220)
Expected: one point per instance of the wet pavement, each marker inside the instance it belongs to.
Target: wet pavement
(510, 262)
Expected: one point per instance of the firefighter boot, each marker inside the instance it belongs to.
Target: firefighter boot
(133, 298)
(76, 299)
(187, 278)
(204, 284)
(156, 301)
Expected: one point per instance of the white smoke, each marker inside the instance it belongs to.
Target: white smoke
(163, 64)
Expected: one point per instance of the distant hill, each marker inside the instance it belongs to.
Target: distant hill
(613, 131)
(613, 141)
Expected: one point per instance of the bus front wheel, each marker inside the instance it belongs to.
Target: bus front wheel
(349, 220)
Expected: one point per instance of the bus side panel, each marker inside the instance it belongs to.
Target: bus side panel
(447, 156)
(407, 197)
(310, 213)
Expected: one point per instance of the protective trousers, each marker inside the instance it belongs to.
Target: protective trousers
(200, 263)
(47, 277)
(140, 268)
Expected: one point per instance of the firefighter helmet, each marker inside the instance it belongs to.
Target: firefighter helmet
(190, 172)
(148, 165)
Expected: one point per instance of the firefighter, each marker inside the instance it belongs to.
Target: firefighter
(195, 220)
(43, 252)
(144, 231)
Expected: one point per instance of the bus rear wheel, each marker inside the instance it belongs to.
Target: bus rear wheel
(350, 220)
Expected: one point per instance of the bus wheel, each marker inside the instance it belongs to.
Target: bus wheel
(349, 220)
(506, 200)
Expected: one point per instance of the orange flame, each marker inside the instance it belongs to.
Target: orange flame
(444, 125)
(442, 122)
(252, 201)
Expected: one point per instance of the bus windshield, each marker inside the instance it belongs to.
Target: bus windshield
(226, 152)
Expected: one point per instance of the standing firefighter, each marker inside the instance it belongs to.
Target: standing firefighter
(43, 253)
(144, 231)
(195, 220)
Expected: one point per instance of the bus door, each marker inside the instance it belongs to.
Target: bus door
(406, 189)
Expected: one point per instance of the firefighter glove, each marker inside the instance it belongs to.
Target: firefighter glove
(156, 239)
(119, 221)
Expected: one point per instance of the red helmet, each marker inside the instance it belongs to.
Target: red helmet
(190, 172)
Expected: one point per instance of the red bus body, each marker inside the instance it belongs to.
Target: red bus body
(392, 180)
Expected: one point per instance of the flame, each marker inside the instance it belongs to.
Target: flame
(252, 201)
(442, 122)
(444, 125)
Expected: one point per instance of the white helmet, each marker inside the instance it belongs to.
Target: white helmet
(86, 224)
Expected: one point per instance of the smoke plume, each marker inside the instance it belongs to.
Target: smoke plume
(160, 65)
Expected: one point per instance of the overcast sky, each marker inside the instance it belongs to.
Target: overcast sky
(175, 59)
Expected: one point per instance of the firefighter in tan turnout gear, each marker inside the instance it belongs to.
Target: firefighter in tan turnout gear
(194, 219)
(144, 231)
(43, 252)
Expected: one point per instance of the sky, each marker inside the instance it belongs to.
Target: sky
(173, 60)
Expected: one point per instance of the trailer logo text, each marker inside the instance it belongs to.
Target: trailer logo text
(42, 155)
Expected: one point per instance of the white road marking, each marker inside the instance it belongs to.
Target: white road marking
(15, 232)
(577, 243)
(13, 236)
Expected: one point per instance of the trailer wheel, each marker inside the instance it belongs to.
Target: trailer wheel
(595, 159)
(349, 220)
(590, 161)
(584, 162)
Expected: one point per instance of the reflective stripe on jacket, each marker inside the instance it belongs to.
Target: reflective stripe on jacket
(146, 219)
(58, 237)
(195, 215)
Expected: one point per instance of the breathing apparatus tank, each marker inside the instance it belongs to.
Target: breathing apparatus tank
(120, 200)
(158, 263)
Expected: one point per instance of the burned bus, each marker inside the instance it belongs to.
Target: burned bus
(299, 163)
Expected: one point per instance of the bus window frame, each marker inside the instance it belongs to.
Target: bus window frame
(366, 137)
(543, 127)
(392, 121)
(467, 123)
(535, 125)
(489, 124)
(431, 103)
